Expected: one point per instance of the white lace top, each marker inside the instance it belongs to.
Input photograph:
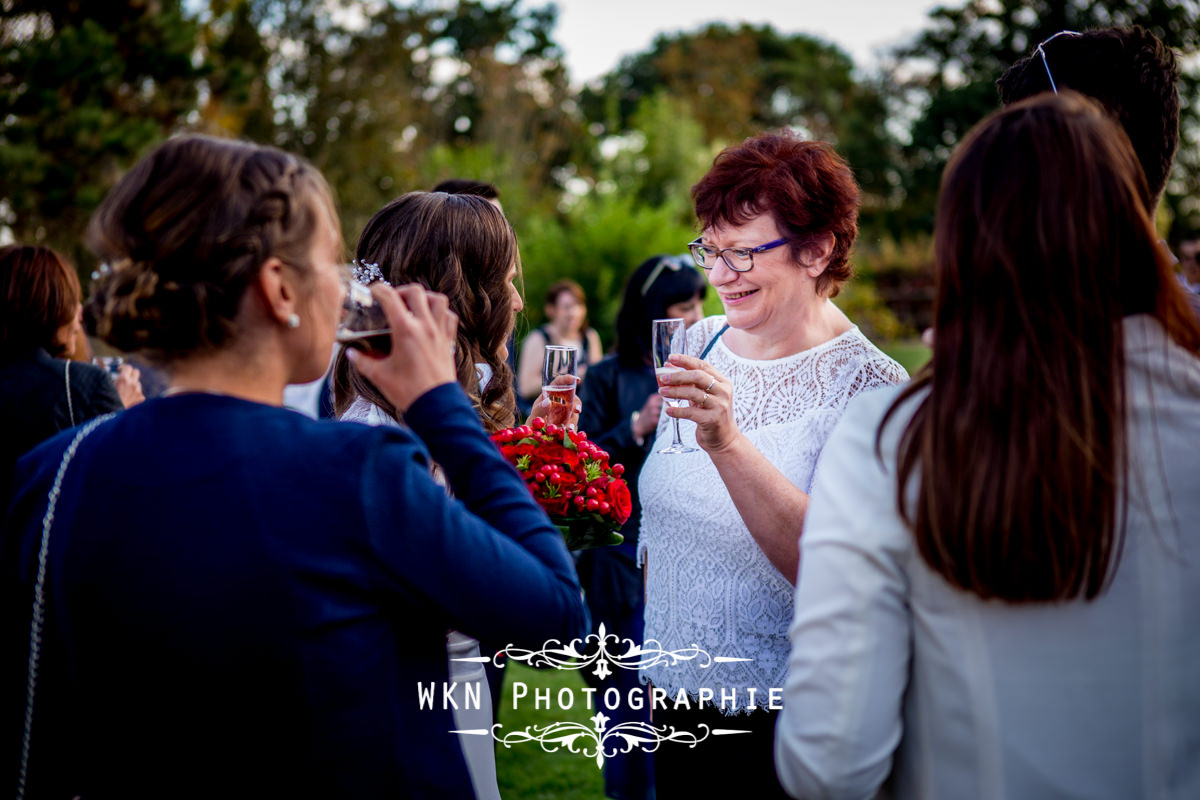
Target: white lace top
(708, 583)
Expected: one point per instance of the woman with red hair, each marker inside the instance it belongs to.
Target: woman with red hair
(765, 384)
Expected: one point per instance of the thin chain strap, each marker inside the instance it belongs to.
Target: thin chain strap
(39, 597)
(67, 381)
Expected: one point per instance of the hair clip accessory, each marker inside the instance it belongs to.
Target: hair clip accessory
(367, 273)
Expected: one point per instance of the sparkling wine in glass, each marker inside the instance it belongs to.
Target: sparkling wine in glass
(364, 325)
(669, 336)
(558, 382)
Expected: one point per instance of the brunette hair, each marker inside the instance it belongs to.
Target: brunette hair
(184, 234)
(676, 281)
(1129, 72)
(41, 295)
(806, 187)
(462, 246)
(1043, 245)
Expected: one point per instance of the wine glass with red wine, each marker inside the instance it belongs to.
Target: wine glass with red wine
(364, 326)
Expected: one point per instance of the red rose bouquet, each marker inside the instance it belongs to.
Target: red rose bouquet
(571, 479)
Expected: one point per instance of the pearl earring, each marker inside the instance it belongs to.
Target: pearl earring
(293, 321)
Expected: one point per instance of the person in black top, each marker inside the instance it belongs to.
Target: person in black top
(621, 409)
(42, 393)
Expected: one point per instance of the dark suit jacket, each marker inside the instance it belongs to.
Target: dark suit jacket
(611, 392)
(261, 626)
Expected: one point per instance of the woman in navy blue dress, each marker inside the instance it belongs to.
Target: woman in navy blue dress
(272, 619)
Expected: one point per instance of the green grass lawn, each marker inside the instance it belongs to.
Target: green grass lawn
(911, 353)
(525, 771)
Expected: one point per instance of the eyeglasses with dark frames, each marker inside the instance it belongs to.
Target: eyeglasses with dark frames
(738, 259)
(1041, 51)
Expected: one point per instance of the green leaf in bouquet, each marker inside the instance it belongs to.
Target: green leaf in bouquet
(585, 534)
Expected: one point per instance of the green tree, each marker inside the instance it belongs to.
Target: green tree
(84, 90)
(598, 242)
(392, 98)
(737, 82)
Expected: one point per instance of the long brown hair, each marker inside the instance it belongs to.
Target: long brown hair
(462, 246)
(1043, 245)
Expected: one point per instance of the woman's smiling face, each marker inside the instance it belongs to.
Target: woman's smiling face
(765, 300)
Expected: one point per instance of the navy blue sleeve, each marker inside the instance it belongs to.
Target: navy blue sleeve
(489, 557)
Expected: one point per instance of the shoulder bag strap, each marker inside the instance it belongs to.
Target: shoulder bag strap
(39, 595)
(713, 341)
(67, 381)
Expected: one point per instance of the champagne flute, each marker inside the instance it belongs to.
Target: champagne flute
(364, 325)
(669, 336)
(558, 382)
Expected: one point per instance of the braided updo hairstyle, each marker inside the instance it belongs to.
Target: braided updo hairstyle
(184, 234)
(461, 246)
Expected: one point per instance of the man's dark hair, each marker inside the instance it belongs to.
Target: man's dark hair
(467, 186)
(1130, 72)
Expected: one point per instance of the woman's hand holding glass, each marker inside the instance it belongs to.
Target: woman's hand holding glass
(128, 381)
(125, 377)
(558, 386)
(422, 340)
(709, 397)
(542, 407)
(364, 326)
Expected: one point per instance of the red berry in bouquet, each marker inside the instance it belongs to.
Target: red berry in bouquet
(571, 479)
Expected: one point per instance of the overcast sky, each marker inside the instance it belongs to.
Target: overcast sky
(595, 34)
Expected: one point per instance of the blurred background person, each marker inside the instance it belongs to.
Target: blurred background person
(720, 526)
(265, 620)
(621, 410)
(42, 391)
(566, 324)
(999, 583)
